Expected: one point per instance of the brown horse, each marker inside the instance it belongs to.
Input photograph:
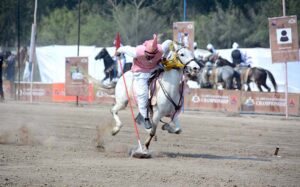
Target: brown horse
(248, 74)
(256, 75)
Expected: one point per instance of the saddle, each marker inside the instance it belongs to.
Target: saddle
(168, 64)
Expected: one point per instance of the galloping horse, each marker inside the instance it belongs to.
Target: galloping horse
(168, 89)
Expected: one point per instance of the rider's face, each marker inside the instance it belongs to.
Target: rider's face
(149, 56)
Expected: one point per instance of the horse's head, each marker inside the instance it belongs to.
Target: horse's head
(223, 62)
(101, 54)
(203, 77)
(187, 58)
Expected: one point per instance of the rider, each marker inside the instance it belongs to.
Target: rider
(146, 59)
(238, 57)
(212, 57)
(118, 67)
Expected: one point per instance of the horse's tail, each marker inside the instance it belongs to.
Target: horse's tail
(272, 79)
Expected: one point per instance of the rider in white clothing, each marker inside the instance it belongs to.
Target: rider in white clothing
(146, 59)
(244, 59)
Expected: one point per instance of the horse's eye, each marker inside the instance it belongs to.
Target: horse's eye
(182, 54)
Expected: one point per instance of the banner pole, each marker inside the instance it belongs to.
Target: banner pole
(286, 72)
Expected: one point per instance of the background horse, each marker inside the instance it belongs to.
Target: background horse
(109, 65)
(210, 77)
(258, 76)
(110, 69)
(254, 74)
(169, 91)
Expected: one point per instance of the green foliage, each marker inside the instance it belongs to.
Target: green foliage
(216, 21)
(136, 25)
(222, 28)
(56, 28)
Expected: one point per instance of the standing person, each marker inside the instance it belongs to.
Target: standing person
(1, 82)
(238, 57)
(146, 59)
(10, 71)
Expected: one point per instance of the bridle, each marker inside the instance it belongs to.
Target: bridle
(184, 64)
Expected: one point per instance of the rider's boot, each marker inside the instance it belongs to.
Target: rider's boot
(143, 121)
(147, 124)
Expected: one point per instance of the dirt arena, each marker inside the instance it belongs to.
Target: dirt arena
(65, 145)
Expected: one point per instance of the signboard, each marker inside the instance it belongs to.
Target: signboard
(76, 82)
(284, 39)
(183, 33)
(258, 102)
(221, 100)
(41, 92)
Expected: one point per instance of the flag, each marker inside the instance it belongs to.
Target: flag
(118, 41)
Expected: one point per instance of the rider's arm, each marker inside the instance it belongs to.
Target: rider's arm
(128, 50)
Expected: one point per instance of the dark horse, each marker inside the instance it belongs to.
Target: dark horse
(110, 68)
(109, 65)
(254, 74)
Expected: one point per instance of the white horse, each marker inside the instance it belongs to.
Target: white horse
(168, 94)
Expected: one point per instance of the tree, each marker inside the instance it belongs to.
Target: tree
(137, 22)
(56, 28)
(8, 21)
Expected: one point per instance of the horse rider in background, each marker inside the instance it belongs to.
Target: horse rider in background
(211, 58)
(239, 58)
(146, 59)
(118, 69)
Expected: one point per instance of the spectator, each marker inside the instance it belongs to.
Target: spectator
(1, 82)
(10, 70)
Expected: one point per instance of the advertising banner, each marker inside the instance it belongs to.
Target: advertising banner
(284, 39)
(40, 92)
(184, 33)
(258, 102)
(59, 95)
(219, 100)
(105, 96)
(76, 81)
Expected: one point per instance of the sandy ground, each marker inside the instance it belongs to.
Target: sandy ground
(56, 145)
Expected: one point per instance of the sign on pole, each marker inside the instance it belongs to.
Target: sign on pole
(76, 81)
(284, 39)
(183, 33)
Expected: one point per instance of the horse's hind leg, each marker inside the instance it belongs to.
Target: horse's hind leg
(117, 107)
(170, 128)
(259, 87)
(267, 87)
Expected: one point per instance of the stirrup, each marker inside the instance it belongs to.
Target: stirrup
(147, 123)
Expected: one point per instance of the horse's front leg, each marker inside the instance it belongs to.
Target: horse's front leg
(116, 108)
(106, 77)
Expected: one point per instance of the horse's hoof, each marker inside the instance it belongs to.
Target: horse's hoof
(115, 130)
(177, 131)
(165, 126)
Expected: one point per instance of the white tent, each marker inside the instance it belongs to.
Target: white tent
(51, 61)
